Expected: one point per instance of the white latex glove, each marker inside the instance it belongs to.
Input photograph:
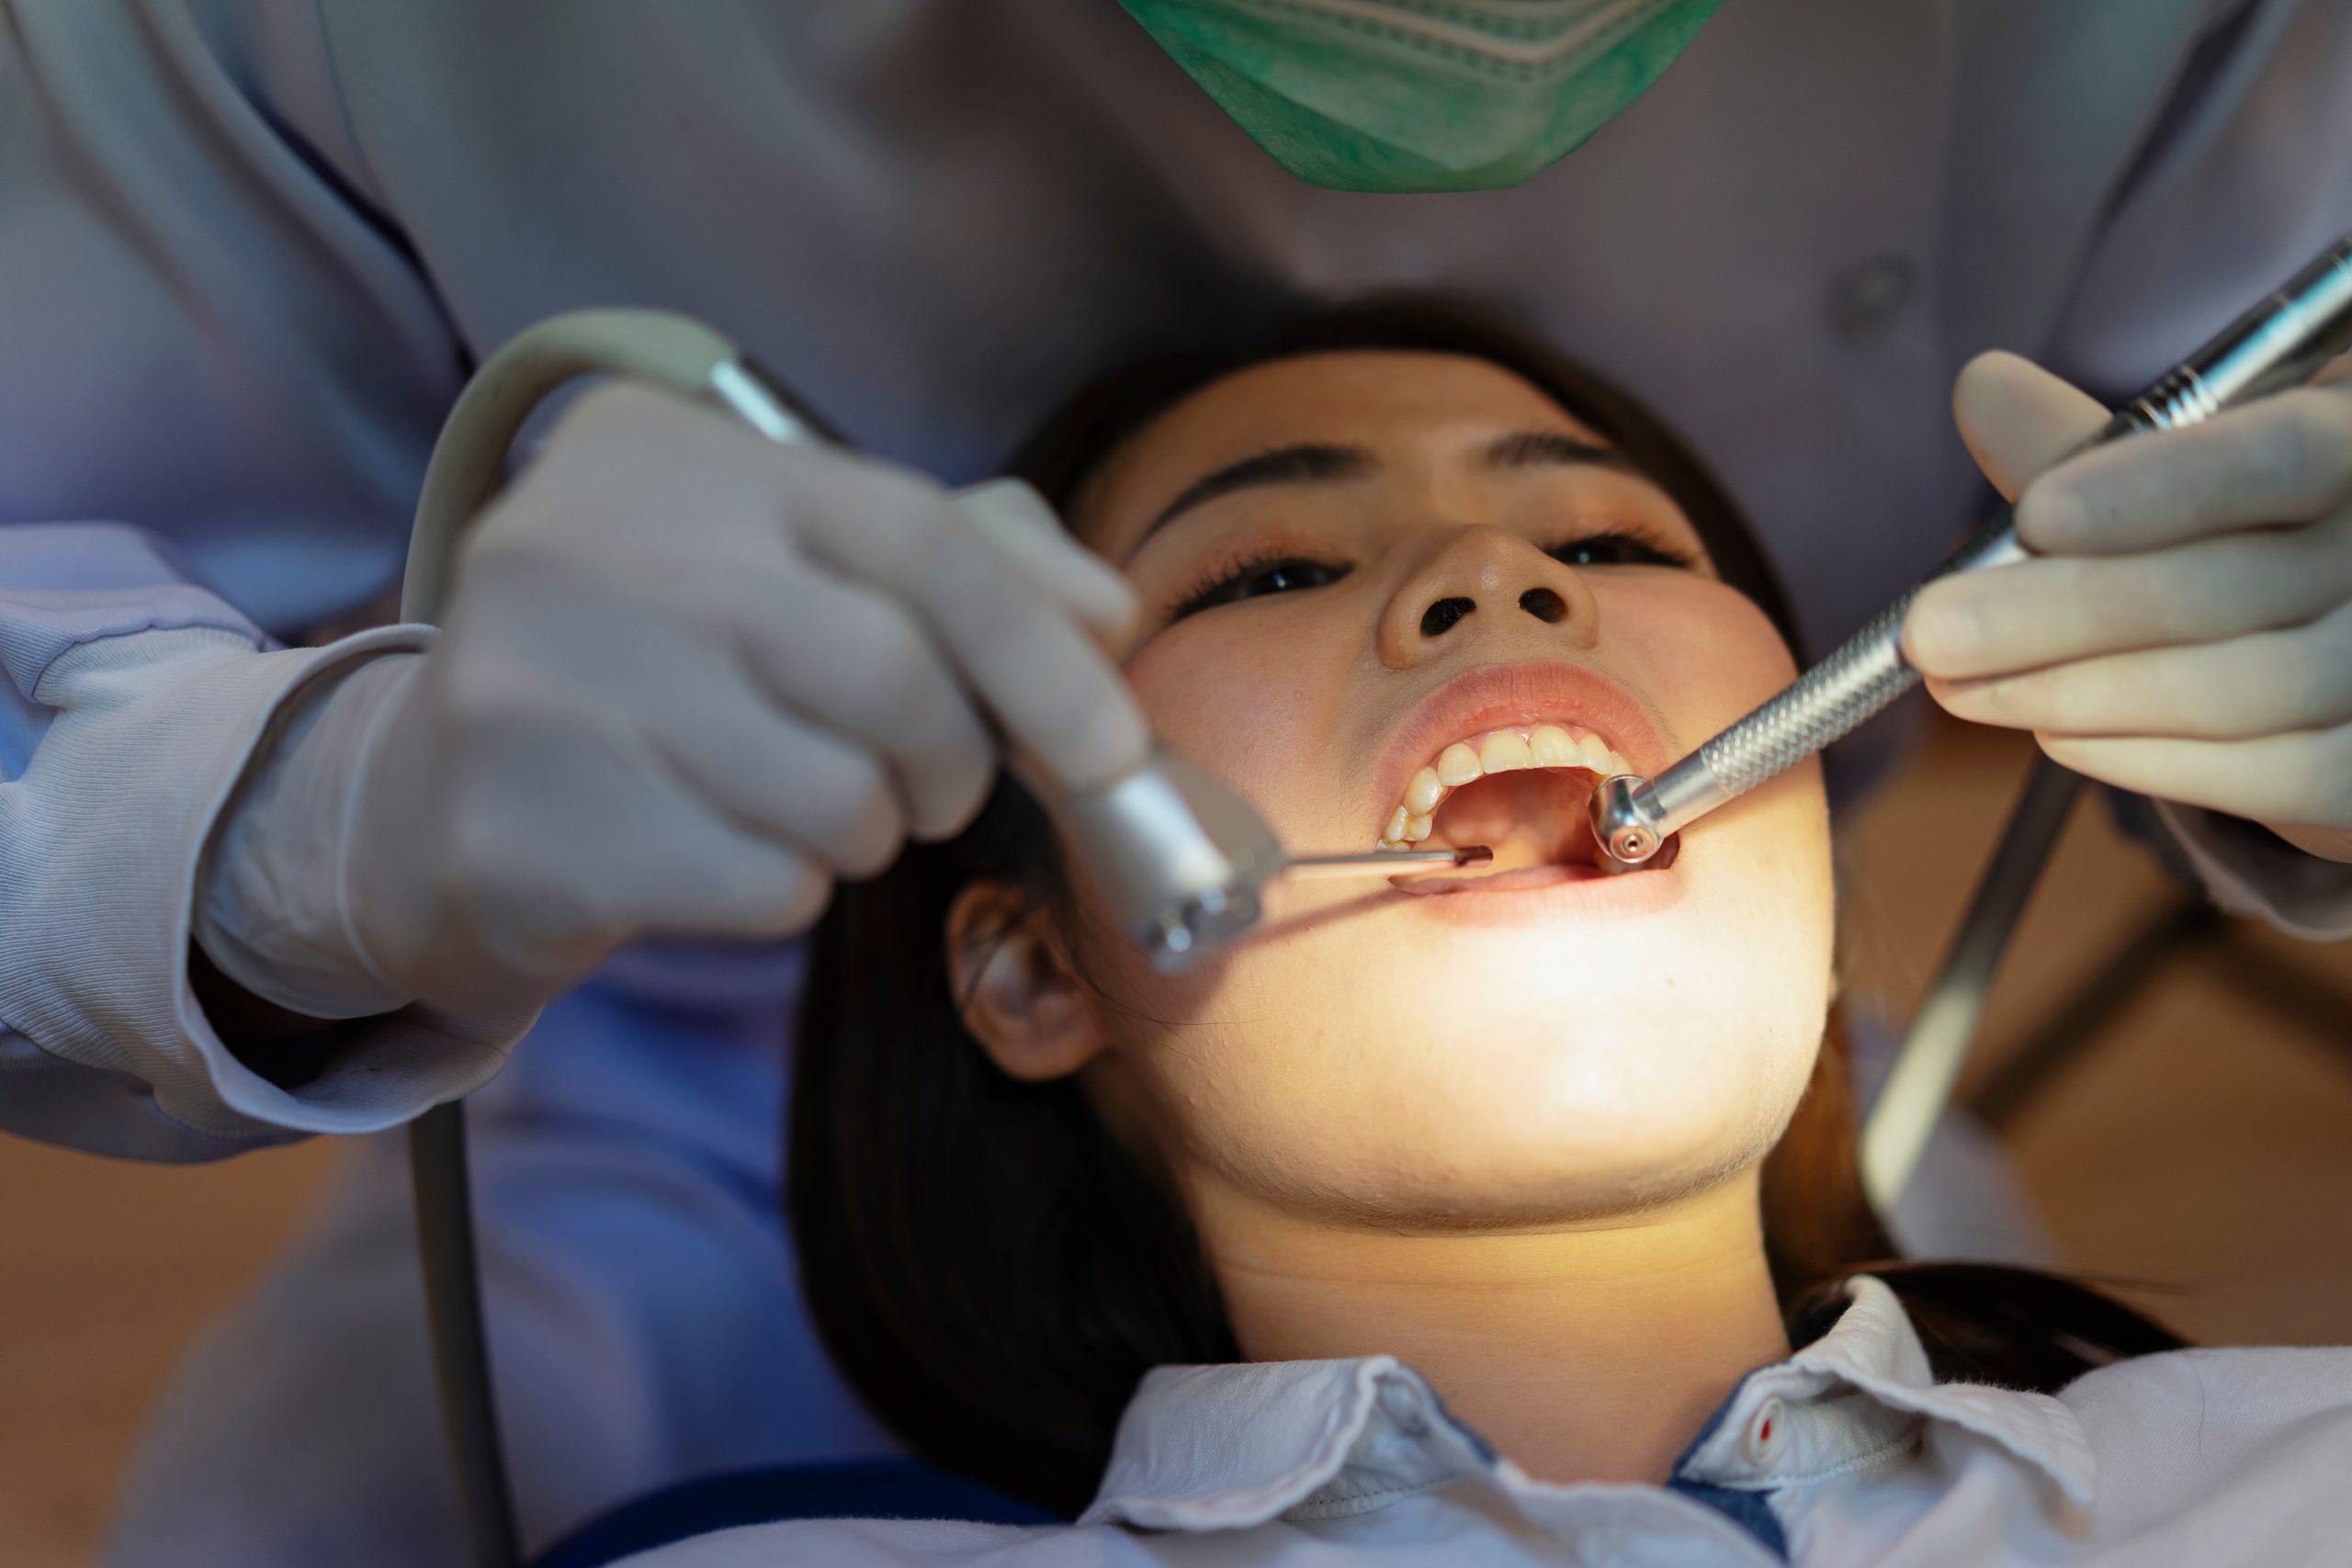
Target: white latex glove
(686, 679)
(2188, 633)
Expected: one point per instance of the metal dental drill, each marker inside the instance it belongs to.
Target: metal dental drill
(2280, 343)
(1179, 857)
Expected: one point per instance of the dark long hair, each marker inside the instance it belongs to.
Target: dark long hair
(993, 1273)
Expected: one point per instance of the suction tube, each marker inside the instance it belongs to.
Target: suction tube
(468, 462)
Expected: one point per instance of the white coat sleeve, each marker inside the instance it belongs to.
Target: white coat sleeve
(133, 702)
(220, 370)
(2251, 871)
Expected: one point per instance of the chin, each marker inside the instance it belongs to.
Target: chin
(1595, 1195)
(1588, 1162)
(1536, 1187)
(1500, 1078)
(1504, 1144)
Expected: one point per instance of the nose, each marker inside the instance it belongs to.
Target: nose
(1481, 579)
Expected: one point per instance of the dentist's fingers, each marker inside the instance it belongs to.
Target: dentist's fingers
(701, 874)
(1055, 690)
(686, 679)
(2284, 460)
(780, 777)
(2035, 613)
(1011, 516)
(561, 832)
(2275, 680)
(2302, 776)
(2017, 419)
(859, 661)
(716, 881)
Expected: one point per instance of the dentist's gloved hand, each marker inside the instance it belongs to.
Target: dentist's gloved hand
(2188, 633)
(686, 679)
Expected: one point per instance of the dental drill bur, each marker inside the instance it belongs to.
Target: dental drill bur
(1382, 862)
(2280, 343)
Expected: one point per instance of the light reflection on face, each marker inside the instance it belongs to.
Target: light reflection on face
(1489, 1056)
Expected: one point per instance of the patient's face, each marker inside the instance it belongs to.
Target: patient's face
(1433, 621)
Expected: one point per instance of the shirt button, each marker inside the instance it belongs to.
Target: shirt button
(1767, 1434)
(1866, 297)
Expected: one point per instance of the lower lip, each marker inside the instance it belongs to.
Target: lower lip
(1542, 893)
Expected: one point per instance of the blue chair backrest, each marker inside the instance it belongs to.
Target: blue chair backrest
(863, 1489)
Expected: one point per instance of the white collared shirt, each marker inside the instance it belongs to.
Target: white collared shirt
(1848, 1452)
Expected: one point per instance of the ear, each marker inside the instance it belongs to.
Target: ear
(1015, 985)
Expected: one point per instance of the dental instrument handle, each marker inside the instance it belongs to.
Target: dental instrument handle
(2282, 341)
(1384, 863)
(1174, 885)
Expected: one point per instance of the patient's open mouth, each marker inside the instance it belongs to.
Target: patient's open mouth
(1522, 793)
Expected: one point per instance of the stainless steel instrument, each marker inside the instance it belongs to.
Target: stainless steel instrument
(2282, 341)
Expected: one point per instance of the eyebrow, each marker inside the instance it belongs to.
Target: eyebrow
(1318, 462)
(1309, 463)
(1551, 448)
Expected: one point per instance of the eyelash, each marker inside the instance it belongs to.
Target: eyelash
(1240, 580)
(1639, 551)
(1236, 581)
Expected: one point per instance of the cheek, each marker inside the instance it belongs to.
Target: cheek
(1217, 681)
(1252, 696)
(1703, 652)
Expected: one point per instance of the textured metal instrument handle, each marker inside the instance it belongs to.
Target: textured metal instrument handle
(1861, 676)
(2280, 342)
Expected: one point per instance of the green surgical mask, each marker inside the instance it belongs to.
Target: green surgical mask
(1421, 94)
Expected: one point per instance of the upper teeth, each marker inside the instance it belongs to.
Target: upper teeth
(1497, 751)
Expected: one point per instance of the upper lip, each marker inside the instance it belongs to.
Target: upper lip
(1514, 695)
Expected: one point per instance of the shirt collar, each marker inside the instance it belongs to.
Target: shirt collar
(1227, 1447)
(1842, 1401)
(1230, 1447)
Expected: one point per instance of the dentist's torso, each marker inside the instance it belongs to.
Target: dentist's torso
(935, 216)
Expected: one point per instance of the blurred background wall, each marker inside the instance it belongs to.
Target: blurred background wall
(2190, 1148)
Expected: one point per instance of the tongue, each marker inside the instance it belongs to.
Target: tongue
(1534, 817)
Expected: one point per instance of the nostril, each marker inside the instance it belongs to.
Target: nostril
(1545, 605)
(1439, 618)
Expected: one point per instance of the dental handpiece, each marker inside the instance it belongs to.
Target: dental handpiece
(1176, 855)
(2280, 343)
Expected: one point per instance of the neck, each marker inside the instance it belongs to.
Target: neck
(1586, 1352)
